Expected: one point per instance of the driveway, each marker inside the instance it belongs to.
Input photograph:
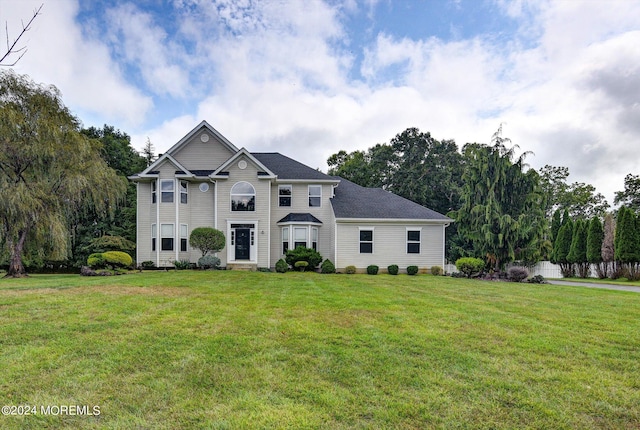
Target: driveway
(594, 285)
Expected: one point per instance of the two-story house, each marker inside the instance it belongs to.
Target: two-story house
(267, 203)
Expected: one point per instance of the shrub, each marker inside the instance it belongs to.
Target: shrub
(148, 264)
(96, 261)
(312, 257)
(301, 265)
(281, 266)
(350, 270)
(182, 264)
(470, 266)
(412, 270)
(208, 262)
(372, 269)
(118, 258)
(458, 275)
(87, 271)
(327, 267)
(538, 279)
(207, 239)
(436, 270)
(517, 273)
(393, 269)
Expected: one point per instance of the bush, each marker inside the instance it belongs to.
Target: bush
(372, 269)
(538, 279)
(312, 257)
(281, 266)
(517, 273)
(327, 267)
(207, 239)
(350, 270)
(470, 266)
(87, 271)
(118, 259)
(208, 262)
(182, 264)
(458, 275)
(148, 264)
(393, 269)
(436, 270)
(301, 265)
(96, 261)
(412, 270)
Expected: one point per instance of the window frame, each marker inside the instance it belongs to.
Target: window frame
(314, 196)
(288, 197)
(184, 238)
(154, 192)
(184, 192)
(314, 238)
(251, 203)
(297, 242)
(365, 242)
(286, 239)
(164, 236)
(167, 192)
(411, 243)
(154, 236)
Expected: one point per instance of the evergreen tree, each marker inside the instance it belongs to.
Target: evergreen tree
(595, 238)
(578, 250)
(608, 249)
(556, 223)
(561, 249)
(627, 252)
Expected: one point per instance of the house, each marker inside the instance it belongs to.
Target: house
(266, 203)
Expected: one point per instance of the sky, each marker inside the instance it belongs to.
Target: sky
(308, 78)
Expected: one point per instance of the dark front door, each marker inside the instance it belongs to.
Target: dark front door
(242, 243)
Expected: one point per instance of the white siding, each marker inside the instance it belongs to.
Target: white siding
(389, 245)
(198, 155)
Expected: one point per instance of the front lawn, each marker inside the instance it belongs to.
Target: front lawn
(187, 349)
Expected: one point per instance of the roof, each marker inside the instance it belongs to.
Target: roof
(300, 217)
(287, 168)
(353, 201)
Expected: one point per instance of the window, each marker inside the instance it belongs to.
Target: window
(314, 238)
(284, 194)
(154, 235)
(166, 233)
(184, 190)
(366, 241)
(243, 197)
(166, 188)
(285, 239)
(315, 195)
(413, 241)
(154, 191)
(184, 233)
(299, 237)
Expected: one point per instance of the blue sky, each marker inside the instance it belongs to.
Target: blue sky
(308, 78)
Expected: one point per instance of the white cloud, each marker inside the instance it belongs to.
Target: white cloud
(92, 84)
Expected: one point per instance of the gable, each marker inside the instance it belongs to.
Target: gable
(202, 149)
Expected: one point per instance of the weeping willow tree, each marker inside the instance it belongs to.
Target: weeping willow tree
(49, 172)
(502, 212)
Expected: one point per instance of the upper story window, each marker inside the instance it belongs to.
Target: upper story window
(166, 190)
(284, 195)
(315, 195)
(243, 197)
(184, 192)
(413, 241)
(154, 192)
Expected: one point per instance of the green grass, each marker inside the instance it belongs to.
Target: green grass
(264, 350)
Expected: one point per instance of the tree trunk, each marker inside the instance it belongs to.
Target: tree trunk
(16, 268)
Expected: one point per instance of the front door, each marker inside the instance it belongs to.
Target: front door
(243, 243)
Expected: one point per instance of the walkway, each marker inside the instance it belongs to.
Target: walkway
(594, 285)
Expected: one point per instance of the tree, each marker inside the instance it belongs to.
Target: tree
(12, 47)
(207, 239)
(48, 171)
(556, 223)
(608, 249)
(630, 197)
(627, 247)
(562, 247)
(502, 212)
(595, 237)
(148, 152)
(578, 250)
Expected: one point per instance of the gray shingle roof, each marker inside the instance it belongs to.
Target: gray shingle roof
(300, 217)
(353, 201)
(287, 168)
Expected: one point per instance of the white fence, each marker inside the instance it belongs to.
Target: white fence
(545, 268)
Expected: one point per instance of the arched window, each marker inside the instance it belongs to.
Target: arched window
(243, 197)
